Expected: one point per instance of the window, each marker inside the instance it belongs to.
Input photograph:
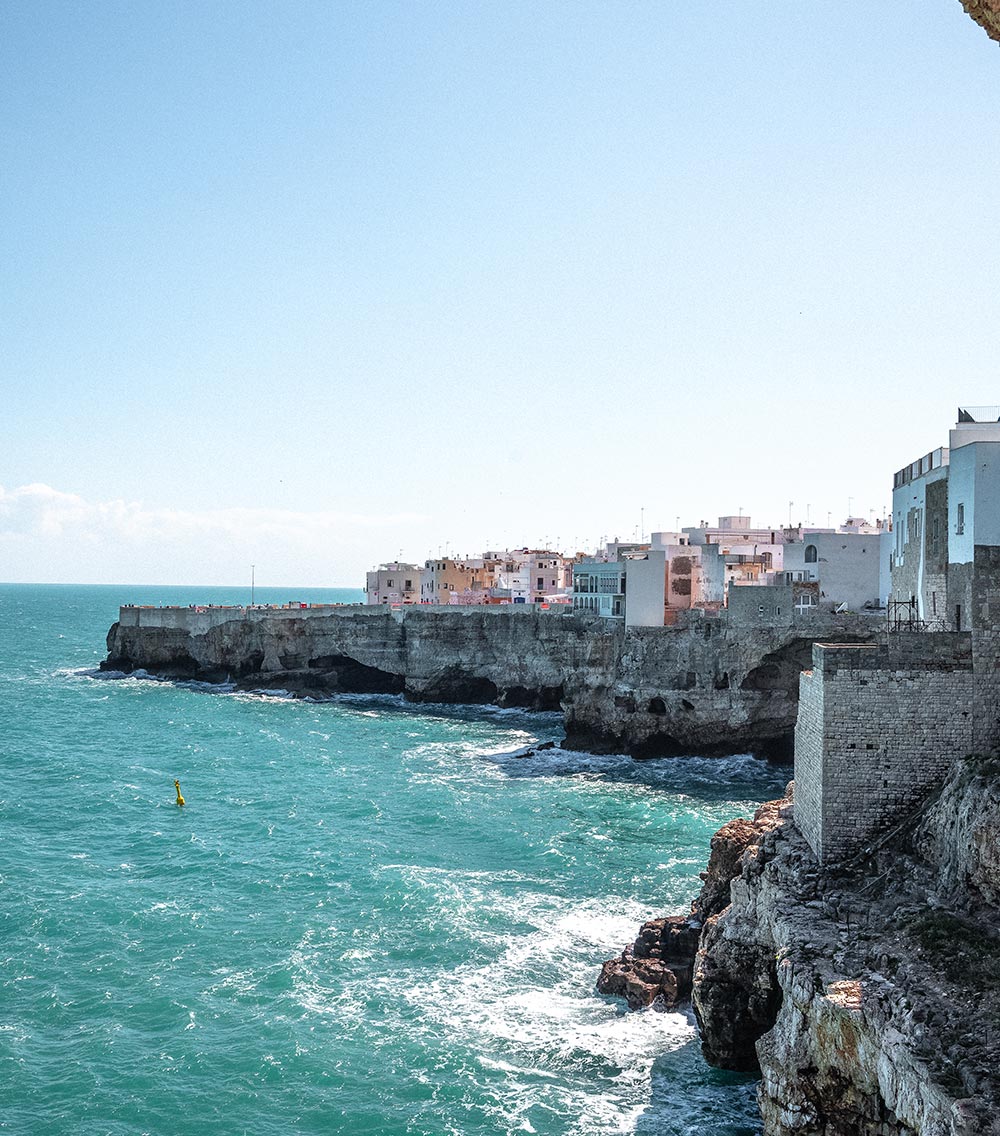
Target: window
(811, 554)
(388, 583)
(960, 520)
(408, 585)
(541, 582)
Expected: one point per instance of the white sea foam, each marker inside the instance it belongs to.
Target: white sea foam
(546, 1044)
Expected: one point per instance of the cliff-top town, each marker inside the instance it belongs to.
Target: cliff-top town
(846, 915)
(943, 505)
(688, 825)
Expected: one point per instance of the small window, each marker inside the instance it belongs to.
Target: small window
(811, 554)
(960, 520)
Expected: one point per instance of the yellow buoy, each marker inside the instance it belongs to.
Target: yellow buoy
(180, 799)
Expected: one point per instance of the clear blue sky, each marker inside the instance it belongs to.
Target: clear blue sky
(311, 285)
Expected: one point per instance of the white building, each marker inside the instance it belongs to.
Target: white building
(846, 565)
(632, 588)
(738, 536)
(946, 520)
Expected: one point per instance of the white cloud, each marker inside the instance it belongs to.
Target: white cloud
(49, 535)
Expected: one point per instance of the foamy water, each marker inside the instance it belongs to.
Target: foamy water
(370, 917)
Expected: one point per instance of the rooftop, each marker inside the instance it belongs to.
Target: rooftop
(968, 414)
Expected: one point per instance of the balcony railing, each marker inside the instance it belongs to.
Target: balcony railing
(978, 414)
(908, 473)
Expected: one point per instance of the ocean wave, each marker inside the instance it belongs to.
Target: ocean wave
(543, 1044)
(739, 770)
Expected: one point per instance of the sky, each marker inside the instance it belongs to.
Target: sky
(313, 286)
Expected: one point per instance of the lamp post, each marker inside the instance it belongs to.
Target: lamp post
(252, 567)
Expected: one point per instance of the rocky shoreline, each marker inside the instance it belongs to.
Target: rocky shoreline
(706, 686)
(867, 997)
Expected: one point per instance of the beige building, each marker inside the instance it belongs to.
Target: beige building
(446, 580)
(395, 583)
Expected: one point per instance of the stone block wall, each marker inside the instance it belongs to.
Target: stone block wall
(879, 726)
(809, 758)
(760, 605)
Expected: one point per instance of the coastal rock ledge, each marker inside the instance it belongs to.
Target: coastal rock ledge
(867, 997)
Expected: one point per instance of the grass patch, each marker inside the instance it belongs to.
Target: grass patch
(962, 952)
(986, 765)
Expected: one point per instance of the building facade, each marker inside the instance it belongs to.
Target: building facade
(946, 516)
(845, 565)
(632, 588)
(394, 583)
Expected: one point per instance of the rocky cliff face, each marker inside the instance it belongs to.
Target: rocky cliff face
(868, 998)
(701, 687)
(986, 13)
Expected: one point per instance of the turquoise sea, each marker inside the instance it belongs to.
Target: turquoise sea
(370, 918)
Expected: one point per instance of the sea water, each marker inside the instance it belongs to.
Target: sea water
(370, 917)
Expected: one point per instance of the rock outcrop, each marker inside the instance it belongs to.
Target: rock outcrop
(868, 997)
(656, 970)
(986, 13)
(702, 686)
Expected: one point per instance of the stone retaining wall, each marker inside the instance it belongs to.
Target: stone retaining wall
(878, 727)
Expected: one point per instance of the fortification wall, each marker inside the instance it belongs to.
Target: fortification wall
(878, 727)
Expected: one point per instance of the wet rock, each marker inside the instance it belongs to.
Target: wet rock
(657, 968)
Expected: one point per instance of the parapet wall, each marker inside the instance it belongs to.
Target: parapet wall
(879, 726)
(199, 619)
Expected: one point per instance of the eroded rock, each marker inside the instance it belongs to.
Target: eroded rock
(657, 968)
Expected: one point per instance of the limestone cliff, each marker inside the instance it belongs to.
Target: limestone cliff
(869, 998)
(703, 686)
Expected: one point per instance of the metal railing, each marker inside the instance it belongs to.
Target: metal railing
(978, 414)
